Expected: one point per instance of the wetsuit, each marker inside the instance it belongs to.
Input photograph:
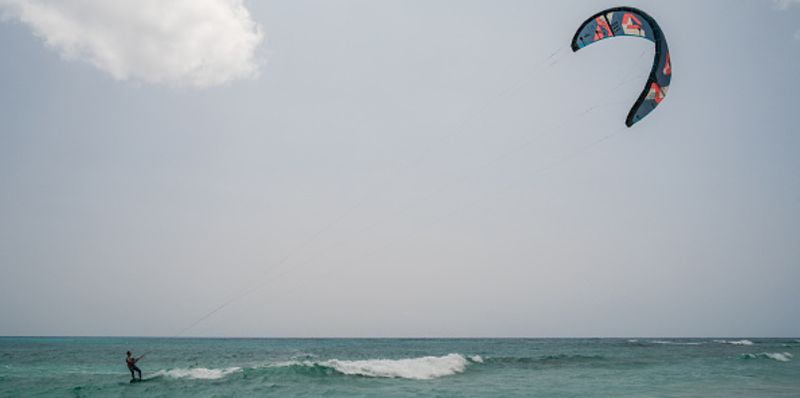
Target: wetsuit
(131, 362)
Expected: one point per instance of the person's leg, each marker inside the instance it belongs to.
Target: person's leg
(138, 371)
(132, 376)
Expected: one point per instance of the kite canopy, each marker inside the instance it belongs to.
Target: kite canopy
(629, 21)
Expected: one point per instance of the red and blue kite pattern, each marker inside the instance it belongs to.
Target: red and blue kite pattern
(628, 21)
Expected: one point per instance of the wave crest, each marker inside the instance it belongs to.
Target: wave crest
(736, 342)
(670, 342)
(422, 368)
(775, 356)
(197, 373)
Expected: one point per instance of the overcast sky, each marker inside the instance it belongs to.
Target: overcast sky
(395, 168)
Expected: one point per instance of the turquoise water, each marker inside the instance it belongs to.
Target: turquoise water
(646, 367)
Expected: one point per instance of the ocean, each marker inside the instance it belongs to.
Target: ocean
(205, 367)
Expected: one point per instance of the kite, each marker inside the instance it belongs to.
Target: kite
(628, 21)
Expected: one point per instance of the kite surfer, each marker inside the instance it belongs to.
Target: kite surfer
(131, 362)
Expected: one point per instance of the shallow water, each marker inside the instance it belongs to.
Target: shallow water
(94, 367)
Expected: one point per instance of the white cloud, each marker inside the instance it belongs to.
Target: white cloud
(196, 43)
(785, 4)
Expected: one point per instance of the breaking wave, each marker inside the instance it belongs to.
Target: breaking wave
(422, 368)
(775, 356)
(736, 342)
(670, 342)
(430, 367)
(197, 373)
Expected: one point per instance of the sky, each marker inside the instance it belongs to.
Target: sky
(348, 168)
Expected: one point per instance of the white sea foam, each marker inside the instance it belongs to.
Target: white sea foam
(734, 342)
(775, 356)
(197, 373)
(675, 342)
(741, 342)
(422, 368)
